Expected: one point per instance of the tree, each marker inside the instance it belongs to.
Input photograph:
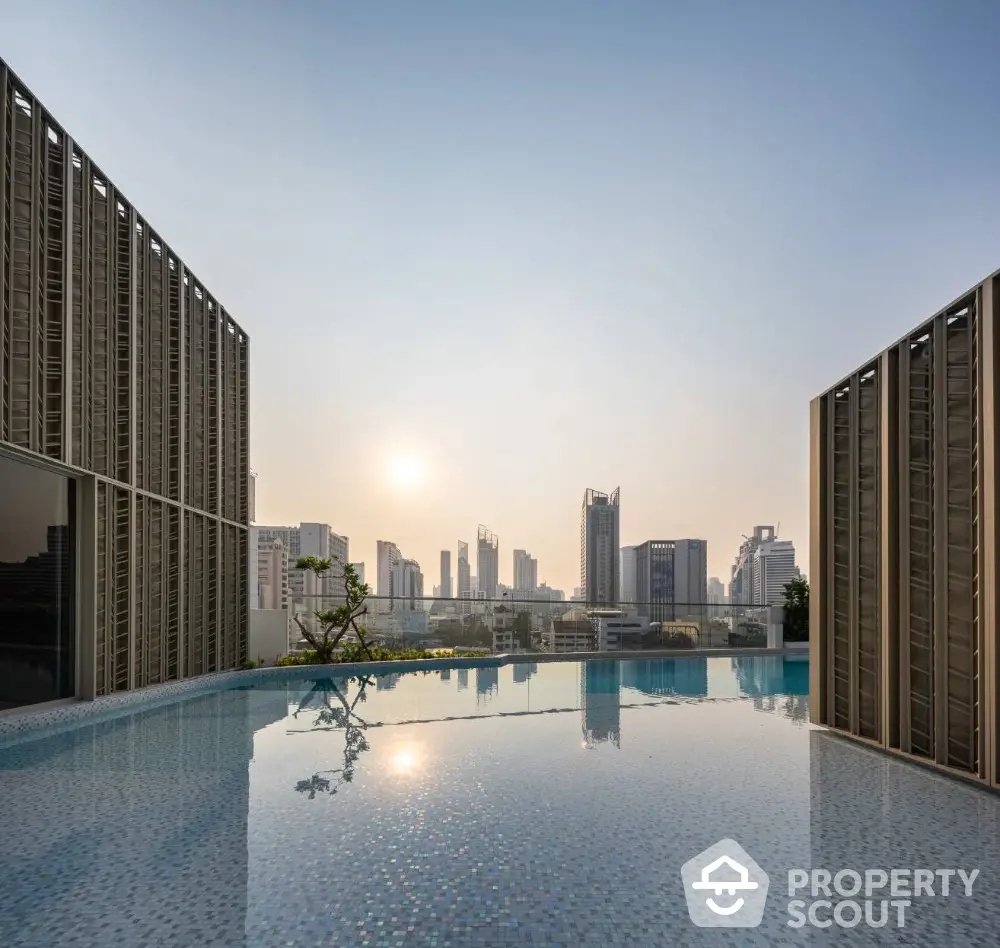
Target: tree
(796, 625)
(335, 623)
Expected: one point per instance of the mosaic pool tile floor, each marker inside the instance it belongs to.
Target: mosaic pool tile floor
(525, 805)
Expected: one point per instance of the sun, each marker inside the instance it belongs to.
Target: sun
(406, 472)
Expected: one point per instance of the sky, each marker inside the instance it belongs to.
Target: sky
(490, 255)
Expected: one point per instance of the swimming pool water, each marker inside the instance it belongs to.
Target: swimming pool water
(549, 804)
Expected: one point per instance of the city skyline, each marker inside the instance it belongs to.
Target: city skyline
(732, 571)
(575, 186)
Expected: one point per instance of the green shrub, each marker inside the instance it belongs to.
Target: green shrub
(355, 652)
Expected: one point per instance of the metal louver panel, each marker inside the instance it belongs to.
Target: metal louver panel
(959, 469)
(921, 566)
(841, 558)
(869, 556)
(116, 361)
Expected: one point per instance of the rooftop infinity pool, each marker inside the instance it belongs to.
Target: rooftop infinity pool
(551, 804)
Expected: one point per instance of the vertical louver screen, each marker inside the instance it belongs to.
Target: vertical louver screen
(868, 556)
(959, 469)
(919, 468)
(116, 360)
(841, 536)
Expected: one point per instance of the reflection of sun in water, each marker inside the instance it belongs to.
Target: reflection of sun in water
(404, 762)
(406, 472)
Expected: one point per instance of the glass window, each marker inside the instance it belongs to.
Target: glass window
(36, 585)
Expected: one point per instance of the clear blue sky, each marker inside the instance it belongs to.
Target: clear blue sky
(527, 248)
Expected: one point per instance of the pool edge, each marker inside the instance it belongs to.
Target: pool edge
(18, 725)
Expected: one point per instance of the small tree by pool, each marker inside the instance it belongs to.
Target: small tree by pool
(335, 623)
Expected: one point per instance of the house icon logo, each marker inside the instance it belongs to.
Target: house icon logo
(724, 887)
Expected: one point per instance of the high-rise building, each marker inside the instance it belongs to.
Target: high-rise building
(123, 421)
(628, 577)
(309, 539)
(525, 573)
(904, 544)
(716, 591)
(359, 568)
(388, 559)
(410, 582)
(654, 580)
(272, 576)
(741, 587)
(488, 563)
(672, 579)
(464, 578)
(691, 578)
(599, 548)
(444, 590)
(772, 567)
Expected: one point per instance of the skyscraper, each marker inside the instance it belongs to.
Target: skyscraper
(741, 587)
(599, 549)
(444, 591)
(628, 574)
(464, 577)
(771, 568)
(525, 572)
(488, 562)
(691, 578)
(654, 580)
(716, 590)
(388, 558)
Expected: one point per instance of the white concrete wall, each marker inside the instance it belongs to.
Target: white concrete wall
(268, 634)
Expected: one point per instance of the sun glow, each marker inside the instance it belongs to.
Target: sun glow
(406, 473)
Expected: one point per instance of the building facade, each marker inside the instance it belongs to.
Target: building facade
(741, 585)
(903, 543)
(690, 579)
(525, 571)
(772, 568)
(444, 590)
(388, 559)
(487, 563)
(464, 578)
(628, 576)
(123, 426)
(599, 548)
(654, 580)
(272, 577)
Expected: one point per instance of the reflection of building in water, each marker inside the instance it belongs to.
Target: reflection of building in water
(387, 682)
(600, 702)
(793, 707)
(36, 599)
(685, 677)
(487, 682)
(191, 865)
(766, 675)
(463, 679)
(446, 674)
(523, 672)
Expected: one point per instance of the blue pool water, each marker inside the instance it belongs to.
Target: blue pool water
(549, 804)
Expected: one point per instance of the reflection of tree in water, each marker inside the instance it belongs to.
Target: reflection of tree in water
(333, 713)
